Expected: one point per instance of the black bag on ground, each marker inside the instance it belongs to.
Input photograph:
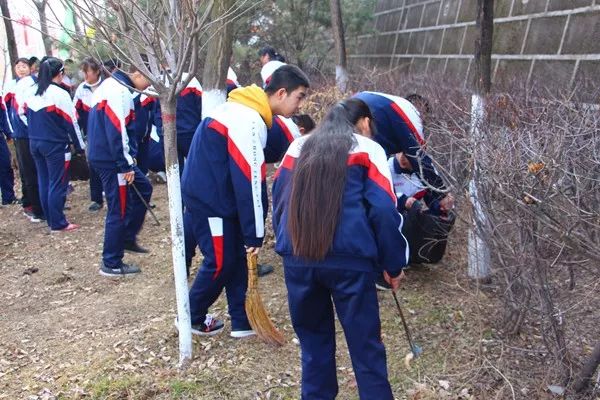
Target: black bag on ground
(427, 235)
(79, 169)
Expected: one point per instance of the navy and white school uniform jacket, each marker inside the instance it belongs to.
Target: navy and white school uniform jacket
(51, 118)
(4, 124)
(400, 129)
(144, 109)
(109, 121)
(225, 173)
(83, 103)
(189, 109)
(232, 82)
(268, 69)
(9, 100)
(279, 137)
(369, 232)
(23, 90)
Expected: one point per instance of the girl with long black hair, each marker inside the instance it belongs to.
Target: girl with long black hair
(53, 128)
(336, 224)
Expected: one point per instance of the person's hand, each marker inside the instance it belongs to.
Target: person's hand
(129, 177)
(403, 161)
(447, 203)
(252, 251)
(394, 282)
(409, 202)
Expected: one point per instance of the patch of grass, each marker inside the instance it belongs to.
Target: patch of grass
(183, 389)
(117, 388)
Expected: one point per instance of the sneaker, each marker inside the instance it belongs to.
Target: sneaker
(32, 217)
(123, 270)
(211, 326)
(263, 269)
(242, 334)
(133, 247)
(11, 202)
(68, 228)
(161, 177)
(94, 206)
(152, 205)
(382, 285)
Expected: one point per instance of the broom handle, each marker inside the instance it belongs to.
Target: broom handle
(408, 337)
(252, 270)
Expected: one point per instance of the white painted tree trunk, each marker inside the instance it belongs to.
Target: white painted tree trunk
(211, 99)
(341, 78)
(184, 324)
(478, 251)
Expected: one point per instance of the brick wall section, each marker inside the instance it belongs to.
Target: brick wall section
(542, 41)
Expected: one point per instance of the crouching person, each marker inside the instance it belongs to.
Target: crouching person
(110, 119)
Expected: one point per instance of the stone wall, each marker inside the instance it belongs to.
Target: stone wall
(552, 42)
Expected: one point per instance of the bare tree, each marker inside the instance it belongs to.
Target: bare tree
(10, 34)
(478, 251)
(337, 24)
(218, 58)
(41, 7)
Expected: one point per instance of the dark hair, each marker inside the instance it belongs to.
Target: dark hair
(419, 101)
(111, 64)
(318, 183)
(272, 53)
(288, 77)
(22, 60)
(49, 68)
(90, 63)
(304, 121)
(357, 109)
(33, 60)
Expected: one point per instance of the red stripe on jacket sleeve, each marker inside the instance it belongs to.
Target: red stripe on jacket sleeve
(190, 90)
(287, 163)
(408, 122)
(373, 173)
(285, 129)
(232, 149)
(112, 117)
(56, 110)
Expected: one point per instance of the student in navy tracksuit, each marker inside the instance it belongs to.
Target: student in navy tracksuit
(83, 101)
(232, 82)
(224, 192)
(189, 115)
(144, 109)
(7, 178)
(20, 91)
(109, 125)
(53, 129)
(336, 225)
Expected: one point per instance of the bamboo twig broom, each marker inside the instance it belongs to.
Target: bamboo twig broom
(255, 309)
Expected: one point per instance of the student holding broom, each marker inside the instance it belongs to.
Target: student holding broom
(336, 225)
(224, 192)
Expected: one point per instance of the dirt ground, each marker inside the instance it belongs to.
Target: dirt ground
(66, 332)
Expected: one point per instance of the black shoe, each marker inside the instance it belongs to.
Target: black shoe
(95, 206)
(10, 202)
(124, 269)
(210, 326)
(382, 285)
(152, 205)
(133, 247)
(263, 269)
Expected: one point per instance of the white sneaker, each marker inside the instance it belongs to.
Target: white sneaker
(242, 334)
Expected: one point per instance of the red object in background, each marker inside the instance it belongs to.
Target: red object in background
(25, 22)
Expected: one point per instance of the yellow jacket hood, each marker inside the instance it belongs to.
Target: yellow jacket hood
(255, 98)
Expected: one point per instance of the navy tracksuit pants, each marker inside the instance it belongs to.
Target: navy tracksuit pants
(224, 267)
(29, 181)
(52, 164)
(183, 148)
(7, 178)
(125, 212)
(95, 186)
(142, 154)
(310, 294)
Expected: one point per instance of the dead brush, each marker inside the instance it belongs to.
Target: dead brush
(255, 309)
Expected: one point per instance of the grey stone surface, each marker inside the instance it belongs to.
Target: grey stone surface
(468, 10)
(511, 70)
(419, 65)
(508, 37)
(502, 8)
(469, 43)
(457, 68)
(545, 35)
(554, 5)
(436, 66)
(552, 74)
(417, 41)
(430, 14)
(385, 44)
(521, 7)
(452, 40)
(388, 22)
(448, 11)
(414, 17)
(402, 43)
(583, 34)
(586, 81)
(433, 42)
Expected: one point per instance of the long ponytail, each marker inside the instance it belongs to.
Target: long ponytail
(49, 69)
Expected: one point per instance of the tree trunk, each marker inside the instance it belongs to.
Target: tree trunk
(587, 371)
(41, 7)
(478, 251)
(341, 74)
(167, 107)
(214, 78)
(13, 54)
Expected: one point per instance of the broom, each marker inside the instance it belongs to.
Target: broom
(255, 309)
